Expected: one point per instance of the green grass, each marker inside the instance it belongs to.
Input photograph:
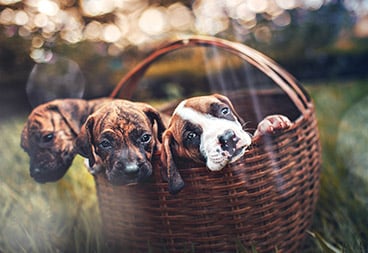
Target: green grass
(53, 217)
(63, 216)
(342, 211)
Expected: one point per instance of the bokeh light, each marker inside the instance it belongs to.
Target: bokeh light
(141, 23)
(153, 21)
(48, 7)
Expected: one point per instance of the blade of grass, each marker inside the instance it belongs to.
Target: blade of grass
(326, 246)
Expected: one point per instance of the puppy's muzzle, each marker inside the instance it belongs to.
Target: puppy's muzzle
(124, 172)
(43, 174)
(228, 141)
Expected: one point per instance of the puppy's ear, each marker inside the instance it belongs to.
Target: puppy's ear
(84, 141)
(227, 101)
(24, 137)
(174, 178)
(73, 112)
(154, 115)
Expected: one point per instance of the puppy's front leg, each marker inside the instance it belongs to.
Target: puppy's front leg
(272, 124)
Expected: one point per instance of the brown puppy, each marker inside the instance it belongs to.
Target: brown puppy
(207, 130)
(121, 136)
(49, 134)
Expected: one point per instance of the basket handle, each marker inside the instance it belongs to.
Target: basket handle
(280, 76)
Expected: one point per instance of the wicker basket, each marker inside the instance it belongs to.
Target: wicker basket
(265, 200)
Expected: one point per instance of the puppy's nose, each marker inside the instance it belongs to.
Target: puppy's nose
(35, 170)
(228, 141)
(131, 169)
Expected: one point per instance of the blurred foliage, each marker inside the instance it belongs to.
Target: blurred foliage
(309, 33)
(341, 211)
(309, 47)
(54, 217)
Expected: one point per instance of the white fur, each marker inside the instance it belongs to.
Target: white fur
(212, 127)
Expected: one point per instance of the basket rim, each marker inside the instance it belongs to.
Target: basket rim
(269, 67)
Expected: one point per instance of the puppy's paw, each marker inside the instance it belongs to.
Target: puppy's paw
(272, 124)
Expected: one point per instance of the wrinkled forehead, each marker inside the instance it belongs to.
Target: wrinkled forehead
(44, 120)
(197, 113)
(203, 104)
(120, 120)
(193, 108)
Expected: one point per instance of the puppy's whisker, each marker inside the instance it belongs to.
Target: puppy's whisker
(245, 124)
(245, 128)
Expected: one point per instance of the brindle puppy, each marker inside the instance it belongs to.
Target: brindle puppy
(49, 134)
(121, 138)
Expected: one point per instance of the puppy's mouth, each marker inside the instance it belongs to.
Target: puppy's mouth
(42, 175)
(238, 153)
(218, 158)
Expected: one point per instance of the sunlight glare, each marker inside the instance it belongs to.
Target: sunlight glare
(48, 7)
(93, 31)
(179, 16)
(7, 16)
(287, 4)
(111, 33)
(257, 6)
(37, 42)
(244, 13)
(21, 18)
(283, 19)
(8, 2)
(210, 17)
(153, 21)
(97, 7)
(40, 20)
(312, 4)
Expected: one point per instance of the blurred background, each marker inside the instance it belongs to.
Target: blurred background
(68, 48)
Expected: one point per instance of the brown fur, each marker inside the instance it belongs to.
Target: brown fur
(49, 134)
(113, 137)
(173, 148)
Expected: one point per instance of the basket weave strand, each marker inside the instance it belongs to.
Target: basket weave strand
(264, 200)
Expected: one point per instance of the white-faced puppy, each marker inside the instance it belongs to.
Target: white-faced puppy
(206, 130)
(49, 134)
(121, 137)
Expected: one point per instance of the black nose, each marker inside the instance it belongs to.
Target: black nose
(36, 171)
(228, 141)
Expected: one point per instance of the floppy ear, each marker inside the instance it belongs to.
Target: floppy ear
(73, 112)
(227, 101)
(84, 141)
(154, 115)
(24, 137)
(174, 178)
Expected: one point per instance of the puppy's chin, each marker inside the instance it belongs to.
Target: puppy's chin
(216, 161)
(45, 176)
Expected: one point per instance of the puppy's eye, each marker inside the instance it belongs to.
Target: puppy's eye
(191, 135)
(145, 138)
(225, 111)
(105, 144)
(47, 138)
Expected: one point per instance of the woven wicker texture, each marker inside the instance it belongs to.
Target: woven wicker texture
(265, 200)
